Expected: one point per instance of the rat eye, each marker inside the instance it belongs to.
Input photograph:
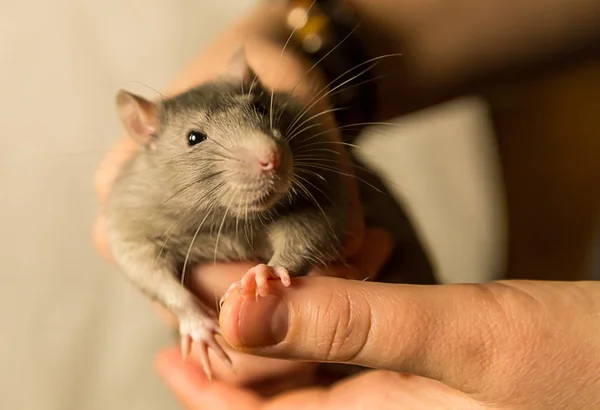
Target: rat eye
(260, 108)
(196, 137)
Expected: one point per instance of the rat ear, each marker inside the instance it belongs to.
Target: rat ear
(139, 116)
(239, 69)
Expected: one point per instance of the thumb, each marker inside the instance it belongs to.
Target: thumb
(442, 332)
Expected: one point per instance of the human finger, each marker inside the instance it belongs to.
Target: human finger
(444, 332)
(374, 389)
(209, 282)
(195, 391)
(110, 166)
(99, 237)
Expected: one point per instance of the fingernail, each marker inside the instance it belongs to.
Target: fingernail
(263, 322)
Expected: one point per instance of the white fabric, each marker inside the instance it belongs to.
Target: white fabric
(75, 335)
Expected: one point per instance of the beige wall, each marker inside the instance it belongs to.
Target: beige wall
(75, 335)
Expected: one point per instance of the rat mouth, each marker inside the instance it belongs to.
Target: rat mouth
(261, 199)
(266, 200)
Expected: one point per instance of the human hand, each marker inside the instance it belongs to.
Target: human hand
(503, 345)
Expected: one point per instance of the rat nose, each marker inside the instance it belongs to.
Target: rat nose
(270, 161)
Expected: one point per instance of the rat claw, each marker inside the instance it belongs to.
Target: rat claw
(186, 346)
(256, 279)
(262, 274)
(232, 287)
(283, 274)
(199, 332)
(220, 352)
(204, 360)
(248, 280)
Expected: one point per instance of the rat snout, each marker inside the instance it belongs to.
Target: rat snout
(259, 170)
(259, 159)
(270, 159)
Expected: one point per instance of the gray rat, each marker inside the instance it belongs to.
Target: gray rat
(226, 172)
(229, 171)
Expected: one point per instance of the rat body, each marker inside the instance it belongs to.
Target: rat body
(227, 172)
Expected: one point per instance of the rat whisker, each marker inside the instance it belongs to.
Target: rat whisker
(281, 56)
(179, 191)
(324, 88)
(237, 222)
(347, 144)
(319, 161)
(147, 86)
(324, 57)
(251, 225)
(313, 185)
(353, 125)
(313, 199)
(187, 255)
(221, 227)
(307, 109)
(242, 85)
(246, 217)
(252, 85)
(311, 159)
(337, 171)
(324, 112)
(171, 161)
(293, 91)
(372, 79)
(282, 111)
(168, 233)
(331, 151)
(271, 215)
(342, 127)
(291, 137)
(192, 183)
(316, 174)
(306, 159)
(260, 219)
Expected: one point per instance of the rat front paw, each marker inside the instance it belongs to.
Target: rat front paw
(255, 280)
(200, 331)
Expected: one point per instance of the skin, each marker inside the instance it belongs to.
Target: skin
(502, 345)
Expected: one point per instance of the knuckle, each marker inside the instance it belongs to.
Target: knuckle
(484, 350)
(350, 323)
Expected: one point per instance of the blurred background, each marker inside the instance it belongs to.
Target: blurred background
(75, 334)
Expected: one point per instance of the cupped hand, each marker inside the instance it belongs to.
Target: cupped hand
(503, 345)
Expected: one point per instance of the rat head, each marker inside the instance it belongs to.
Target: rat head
(215, 143)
